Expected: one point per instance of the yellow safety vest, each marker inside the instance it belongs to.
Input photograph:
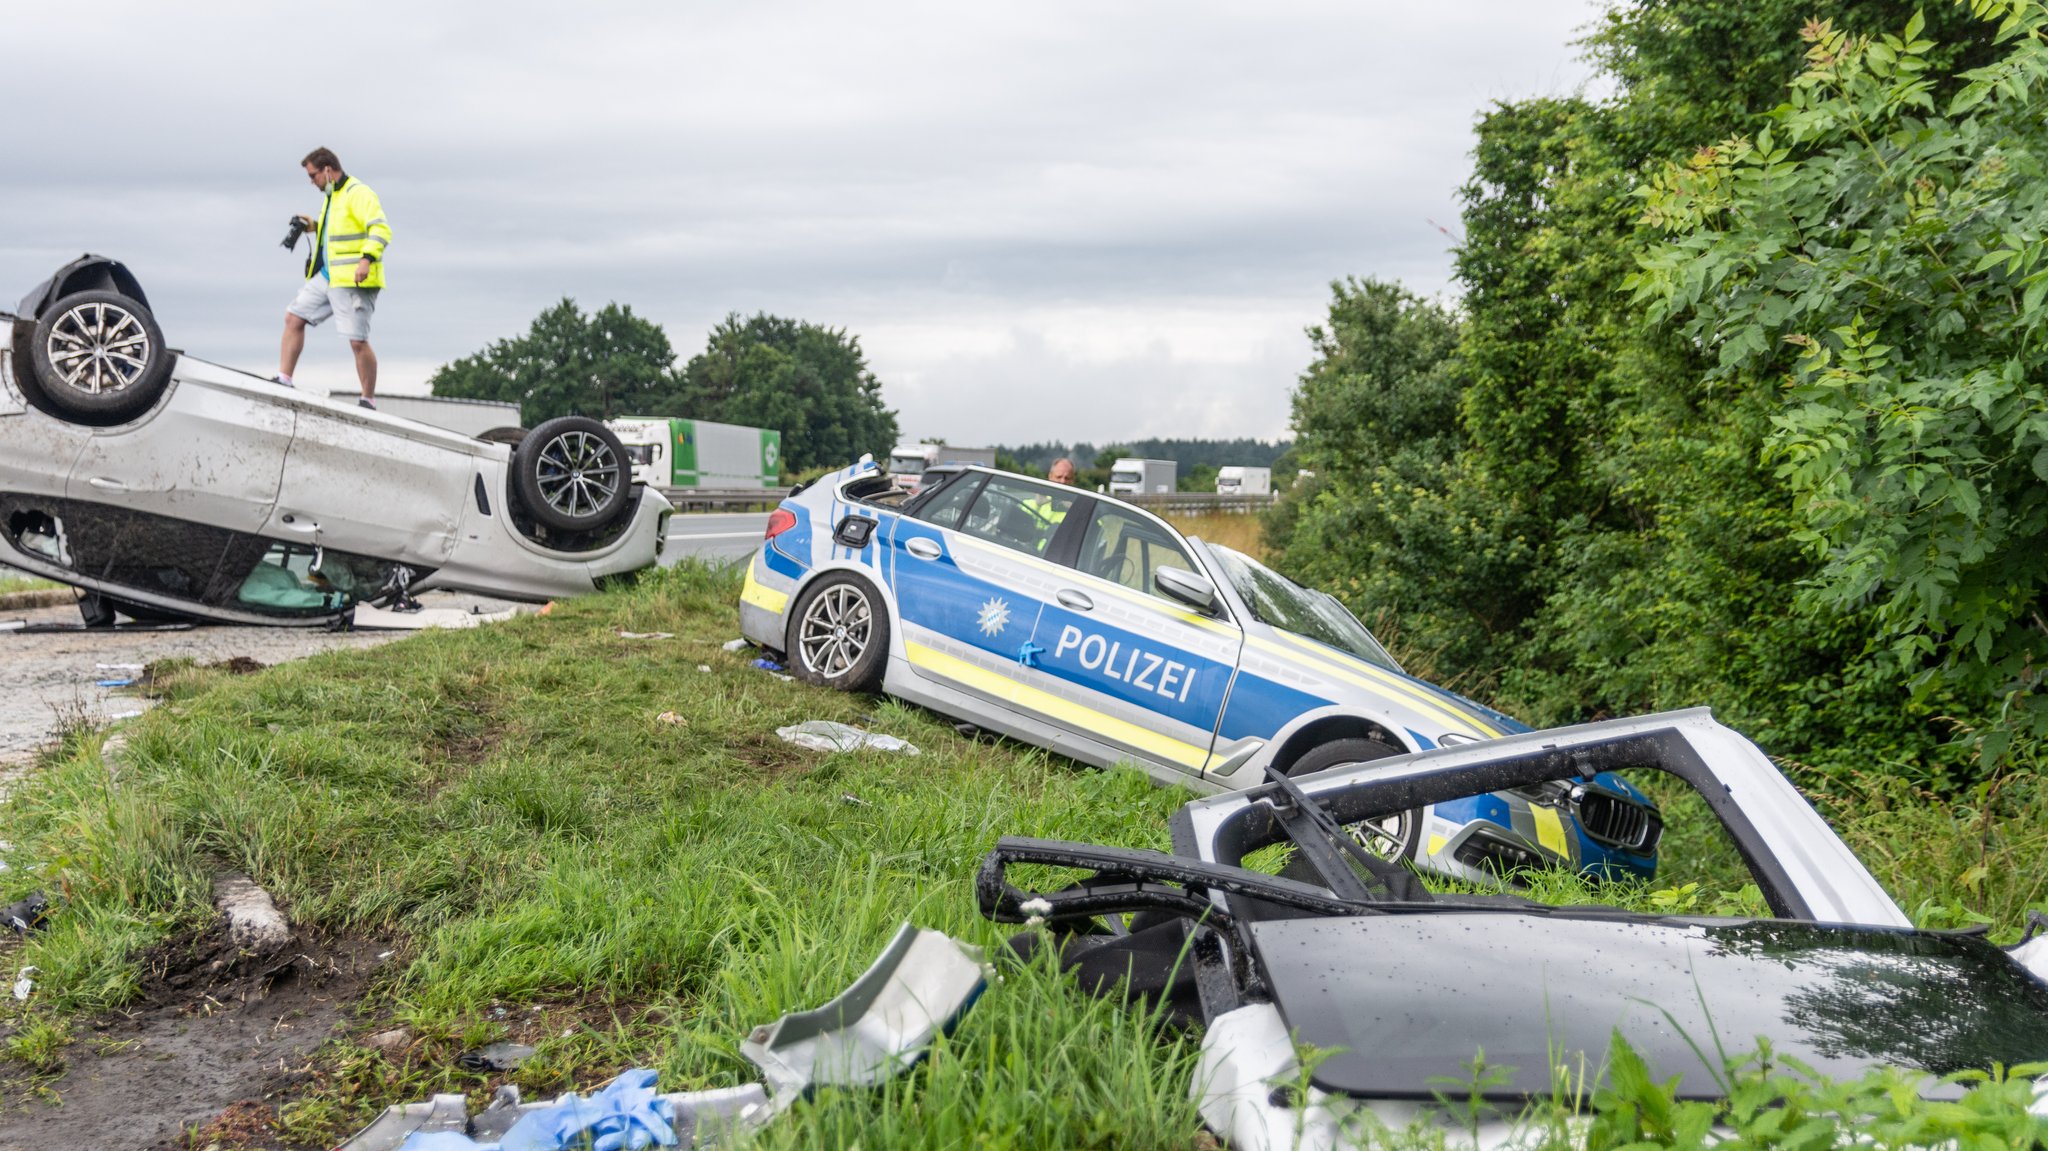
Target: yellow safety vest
(352, 226)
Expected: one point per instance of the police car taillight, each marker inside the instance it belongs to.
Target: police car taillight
(780, 520)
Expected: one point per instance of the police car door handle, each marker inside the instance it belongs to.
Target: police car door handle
(1079, 601)
(923, 549)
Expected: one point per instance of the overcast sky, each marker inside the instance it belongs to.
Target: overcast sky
(1043, 221)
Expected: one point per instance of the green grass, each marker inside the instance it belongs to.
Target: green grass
(504, 807)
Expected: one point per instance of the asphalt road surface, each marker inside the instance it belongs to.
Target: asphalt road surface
(714, 536)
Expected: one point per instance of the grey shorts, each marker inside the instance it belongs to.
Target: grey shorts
(350, 307)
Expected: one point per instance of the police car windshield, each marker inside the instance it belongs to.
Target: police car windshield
(1280, 602)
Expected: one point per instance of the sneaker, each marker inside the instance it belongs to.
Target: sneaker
(281, 382)
(365, 403)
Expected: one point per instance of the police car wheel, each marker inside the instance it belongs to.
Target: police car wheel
(1395, 836)
(98, 357)
(839, 634)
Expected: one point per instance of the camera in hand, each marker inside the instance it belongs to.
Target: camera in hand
(291, 238)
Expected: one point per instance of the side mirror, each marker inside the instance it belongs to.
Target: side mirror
(1188, 588)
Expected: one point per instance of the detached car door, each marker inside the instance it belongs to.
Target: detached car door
(1155, 668)
(971, 578)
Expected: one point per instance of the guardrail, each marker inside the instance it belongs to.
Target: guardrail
(724, 499)
(1196, 503)
(765, 499)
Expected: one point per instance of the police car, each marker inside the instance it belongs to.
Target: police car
(1089, 626)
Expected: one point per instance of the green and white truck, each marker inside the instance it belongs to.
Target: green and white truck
(672, 453)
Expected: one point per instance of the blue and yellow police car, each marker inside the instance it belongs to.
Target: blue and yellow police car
(1090, 626)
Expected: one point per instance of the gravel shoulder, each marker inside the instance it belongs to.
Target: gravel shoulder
(49, 681)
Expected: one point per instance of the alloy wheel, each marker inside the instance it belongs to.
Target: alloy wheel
(577, 473)
(835, 631)
(97, 348)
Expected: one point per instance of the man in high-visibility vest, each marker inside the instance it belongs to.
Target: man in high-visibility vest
(344, 273)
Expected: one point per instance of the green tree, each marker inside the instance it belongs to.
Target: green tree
(809, 382)
(605, 364)
(1880, 247)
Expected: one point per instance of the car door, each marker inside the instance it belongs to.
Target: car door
(971, 576)
(1157, 670)
(374, 486)
(212, 455)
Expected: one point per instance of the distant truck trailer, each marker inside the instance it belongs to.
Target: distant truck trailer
(1233, 480)
(909, 461)
(449, 413)
(1134, 477)
(673, 453)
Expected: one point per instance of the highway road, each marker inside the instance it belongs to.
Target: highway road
(714, 536)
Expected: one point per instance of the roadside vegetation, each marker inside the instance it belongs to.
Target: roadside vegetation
(552, 860)
(1739, 402)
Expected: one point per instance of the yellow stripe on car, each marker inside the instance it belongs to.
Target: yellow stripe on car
(1372, 678)
(1076, 717)
(765, 598)
(1550, 830)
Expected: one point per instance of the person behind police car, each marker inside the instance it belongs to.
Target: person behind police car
(1044, 508)
(344, 273)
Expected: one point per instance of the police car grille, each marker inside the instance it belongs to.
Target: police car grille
(1619, 823)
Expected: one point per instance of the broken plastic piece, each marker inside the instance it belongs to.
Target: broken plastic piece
(623, 634)
(23, 985)
(919, 988)
(26, 915)
(369, 617)
(736, 644)
(829, 735)
(766, 664)
(494, 1057)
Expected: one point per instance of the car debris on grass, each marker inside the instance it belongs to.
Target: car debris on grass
(916, 990)
(1339, 995)
(831, 735)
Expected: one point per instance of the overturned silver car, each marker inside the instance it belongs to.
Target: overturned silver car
(169, 487)
(1272, 925)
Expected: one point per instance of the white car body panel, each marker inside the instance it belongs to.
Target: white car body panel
(230, 451)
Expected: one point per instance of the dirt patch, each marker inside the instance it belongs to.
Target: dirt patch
(213, 1031)
(238, 665)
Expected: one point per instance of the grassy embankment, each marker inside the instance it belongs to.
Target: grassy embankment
(507, 808)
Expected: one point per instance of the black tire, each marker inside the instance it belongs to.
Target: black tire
(571, 475)
(98, 357)
(1397, 836)
(839, 634)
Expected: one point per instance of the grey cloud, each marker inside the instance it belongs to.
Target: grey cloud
(913, 172)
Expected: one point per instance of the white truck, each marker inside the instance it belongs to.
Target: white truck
(909, 461)
(672, 453)
(1132, 477)
(1234, 480)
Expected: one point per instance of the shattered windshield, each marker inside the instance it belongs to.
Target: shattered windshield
(1280, 602)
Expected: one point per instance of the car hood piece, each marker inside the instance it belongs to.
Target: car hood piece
(1404, 1002)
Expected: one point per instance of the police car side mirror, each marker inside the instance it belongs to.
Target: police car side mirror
(1188, 588)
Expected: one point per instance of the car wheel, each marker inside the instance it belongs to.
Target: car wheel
(98, 356)
(839, 634)
(1395, 836)
(571, 475)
